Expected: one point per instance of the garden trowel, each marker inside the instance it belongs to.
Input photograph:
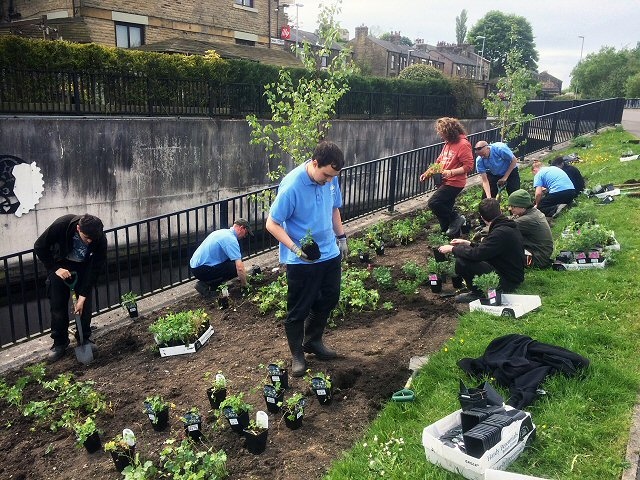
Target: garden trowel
(406, 394)
(84, 353)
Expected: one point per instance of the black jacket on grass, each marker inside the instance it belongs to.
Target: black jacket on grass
(521, 364)
(502, 248)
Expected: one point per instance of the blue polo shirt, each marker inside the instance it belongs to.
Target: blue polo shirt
(500, 157)
(553, 179)
(218, 247)
(302, 205)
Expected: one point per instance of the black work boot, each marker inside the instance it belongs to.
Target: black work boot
(57, 352)
(314, 327)
(295, 334)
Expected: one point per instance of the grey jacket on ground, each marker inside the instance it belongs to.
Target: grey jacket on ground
(536, 235)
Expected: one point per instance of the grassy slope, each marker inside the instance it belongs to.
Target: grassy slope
(583, 423)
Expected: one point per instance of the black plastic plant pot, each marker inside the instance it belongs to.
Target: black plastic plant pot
(273, 398)
(380, 250)
(458, 282)
(256, 443)
(237, 422)
(493, 298)
(123, 458)
(435, 283)
(217, 397)
(255, 270)
(364, 257)
(160, 419)
(323, 393)
(297, 414)
(595, 256)
(192, 425)
(473, 398)
(312, 250)
(440, 257)
(278, 374)
(132, 308)
(437, 179)
(565, 257)
(93, 443)
(581, 257)
(223, 302)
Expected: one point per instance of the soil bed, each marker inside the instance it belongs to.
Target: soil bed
(374, 348)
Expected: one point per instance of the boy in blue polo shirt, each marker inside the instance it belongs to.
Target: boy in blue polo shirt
(308, 200)
(497, 166)
(557, 185)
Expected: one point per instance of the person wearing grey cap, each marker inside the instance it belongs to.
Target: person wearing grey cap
(218, 258)
(533, 226)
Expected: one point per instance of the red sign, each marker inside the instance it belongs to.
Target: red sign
(285, 32)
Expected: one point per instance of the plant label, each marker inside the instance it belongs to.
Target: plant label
(233, 421)
(152, 417)
(193, 428)
(321, 392)
(275, 378)
(270, 400)
(299, 414)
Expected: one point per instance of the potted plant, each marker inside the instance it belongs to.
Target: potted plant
(122, 448)
(273, 396)
(88, 435)
(488, 285)
(293, 411)
(217, 392)
(223, 296)
(321, 385)
(129, 301)
(438, 272)
(436, 174)
(359, 247)
(192, 421)
(157, 409)
(278, 374)
(180, 329)
(310, 247)
(255, 434)
(236, 411)
(436, 240)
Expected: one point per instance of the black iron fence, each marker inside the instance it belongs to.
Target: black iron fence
(632, 103)
(153, 254)
(82, 93)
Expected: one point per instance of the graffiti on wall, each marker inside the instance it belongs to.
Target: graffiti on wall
(21, 185)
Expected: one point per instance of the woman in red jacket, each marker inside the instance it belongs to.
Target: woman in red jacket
(456, 161)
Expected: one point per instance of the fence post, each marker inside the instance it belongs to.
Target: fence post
(525, 138)
(392, 183)
(370, 104)
(398, 107)
(597, 117)
(149, 101)
(210, 93)
(76, 91)
(552, 137)
(224, 214)
(576, 129)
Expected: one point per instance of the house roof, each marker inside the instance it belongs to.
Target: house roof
(455, 58)
(312, 38)
(270, 56)
(73, 29)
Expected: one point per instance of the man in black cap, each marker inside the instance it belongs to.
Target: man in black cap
(533, 225)
(72, 244)
(218, 258)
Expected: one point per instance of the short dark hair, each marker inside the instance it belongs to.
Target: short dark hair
(489, 209)
(328, 153)
(91, 226)
(557, 162)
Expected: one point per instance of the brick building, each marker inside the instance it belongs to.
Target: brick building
(551, 86)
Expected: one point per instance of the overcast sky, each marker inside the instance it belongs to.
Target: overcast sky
(556, 24)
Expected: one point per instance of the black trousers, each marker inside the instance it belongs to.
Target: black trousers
(216, 275)
(441, 204)
(468, 269)
(59, 295)
(513, 183)
(550, 201)
(313, 287)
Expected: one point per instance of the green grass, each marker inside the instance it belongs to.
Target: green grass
(583, 423)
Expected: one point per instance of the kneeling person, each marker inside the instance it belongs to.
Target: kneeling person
(218, 258)
(533, 225)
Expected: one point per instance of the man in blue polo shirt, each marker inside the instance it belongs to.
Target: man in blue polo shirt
(218, 258)
(557, 185)
(308, 201)
(497, 166)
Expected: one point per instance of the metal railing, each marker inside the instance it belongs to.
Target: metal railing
(83, 93)
(153, 254)
(632, 103)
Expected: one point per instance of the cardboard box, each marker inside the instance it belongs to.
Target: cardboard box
(513, 306)
(512, 443)
(189, 348)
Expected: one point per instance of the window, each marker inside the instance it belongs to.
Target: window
(245, 3)
(393, 62)
(324, 61)
(241, 41)
(129, 35)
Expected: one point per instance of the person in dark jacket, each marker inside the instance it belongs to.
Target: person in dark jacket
(574, 174)
(501, 251)
(72, 243)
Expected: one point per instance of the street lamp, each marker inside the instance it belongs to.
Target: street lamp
(581, 49)
(298, 5)
(481, 55)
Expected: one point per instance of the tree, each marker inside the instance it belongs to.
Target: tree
(605, 74)
(461, 27)
(504, 33)
(632, 86)
(388, 36)
(420, 72)
(515, 89)
(301, 109)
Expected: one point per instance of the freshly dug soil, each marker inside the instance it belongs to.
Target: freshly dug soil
(374, 349)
